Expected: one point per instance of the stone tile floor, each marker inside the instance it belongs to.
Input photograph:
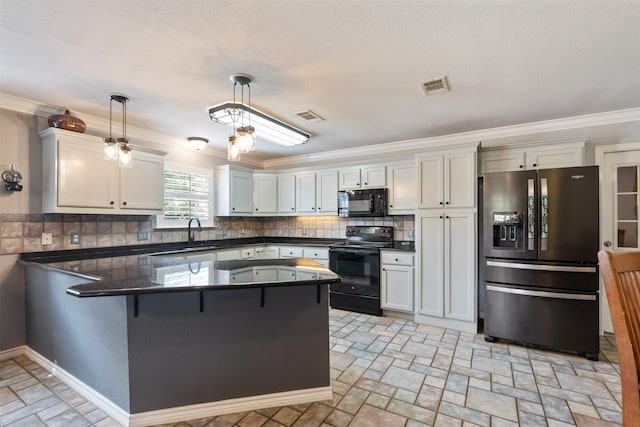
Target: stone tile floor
(385, 372)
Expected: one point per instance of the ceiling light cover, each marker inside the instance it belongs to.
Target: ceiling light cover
(266, 126)
(197, 142)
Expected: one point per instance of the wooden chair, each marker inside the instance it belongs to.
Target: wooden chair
(621, 274)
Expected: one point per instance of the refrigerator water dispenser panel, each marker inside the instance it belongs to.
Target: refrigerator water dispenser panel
(508, 230)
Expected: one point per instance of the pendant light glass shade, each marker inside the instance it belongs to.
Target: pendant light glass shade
(246, 138)
(233, 149)
(118, 149)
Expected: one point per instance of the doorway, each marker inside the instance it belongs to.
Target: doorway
(619, 206)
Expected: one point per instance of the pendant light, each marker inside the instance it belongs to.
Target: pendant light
(119, 149)
(246, 134)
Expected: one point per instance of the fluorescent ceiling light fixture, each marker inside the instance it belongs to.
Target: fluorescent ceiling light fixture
(267, 127)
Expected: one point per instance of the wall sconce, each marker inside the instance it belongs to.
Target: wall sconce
(12, 178)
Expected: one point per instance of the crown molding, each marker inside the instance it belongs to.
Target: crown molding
(411, 146)
(153, 139)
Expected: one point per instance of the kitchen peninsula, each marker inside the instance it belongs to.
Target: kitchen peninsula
(158, 336)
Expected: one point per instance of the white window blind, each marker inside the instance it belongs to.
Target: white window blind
(188, 193)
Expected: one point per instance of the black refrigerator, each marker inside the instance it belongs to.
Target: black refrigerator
(540, 271)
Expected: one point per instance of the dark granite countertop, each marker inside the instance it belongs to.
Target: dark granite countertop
(134, 275)
(153, 268)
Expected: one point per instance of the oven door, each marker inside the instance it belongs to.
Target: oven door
(359, 269)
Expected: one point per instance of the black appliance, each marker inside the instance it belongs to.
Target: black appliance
(357, 262)
(541, 237)
(370, 202)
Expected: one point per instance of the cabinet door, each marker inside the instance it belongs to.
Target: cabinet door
(286, 193)
(306, 193)
(241, 194)
(430, 289)
(373, 177)
(555, 158)
(327, 192)
(85, 178)
(141, 186)
(286, 274)
(502, 161)
(396, 287)
(402, 189)
(349, 178)
(460, 265)
(460, 180)
(265, 191)
(265, 274)
(430, 181)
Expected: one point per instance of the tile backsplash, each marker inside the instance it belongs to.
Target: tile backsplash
(23, 232)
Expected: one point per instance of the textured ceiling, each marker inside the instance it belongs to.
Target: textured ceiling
(358, 64)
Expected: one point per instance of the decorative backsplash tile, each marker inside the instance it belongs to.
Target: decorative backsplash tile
(23, 232)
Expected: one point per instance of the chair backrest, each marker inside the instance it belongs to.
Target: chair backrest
(621, 274)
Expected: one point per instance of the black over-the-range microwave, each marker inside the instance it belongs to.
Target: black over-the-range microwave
(370, 202)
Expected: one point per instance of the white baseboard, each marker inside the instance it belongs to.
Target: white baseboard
(12, 352)
(230, 406)
(181, 413)
(110, 408)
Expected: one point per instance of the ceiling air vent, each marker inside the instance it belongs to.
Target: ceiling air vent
(310, 116)
(434, 86)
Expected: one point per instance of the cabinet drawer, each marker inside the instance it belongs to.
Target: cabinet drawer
(397, 258)
(290, 252)
(315, 253)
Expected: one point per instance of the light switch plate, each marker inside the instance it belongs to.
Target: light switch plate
(410, 233)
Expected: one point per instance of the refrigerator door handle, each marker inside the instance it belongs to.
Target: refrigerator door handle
(542, 267)
(555, 295)
(544, 214)
(531, 214)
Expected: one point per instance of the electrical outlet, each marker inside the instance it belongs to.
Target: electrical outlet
(242, 231)
(143, 235)
(47, 239)
(224, 233)
(410, 233)
(75, 238)
(304, 231)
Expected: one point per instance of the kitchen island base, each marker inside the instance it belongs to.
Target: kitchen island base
(174, 360)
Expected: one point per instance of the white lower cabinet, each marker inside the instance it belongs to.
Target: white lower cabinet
(290, 252)
(267, 252)
(446, 268)
(396, 280)
(319, 255)
(265, 274)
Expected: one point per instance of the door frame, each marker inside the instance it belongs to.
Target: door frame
(600, 152)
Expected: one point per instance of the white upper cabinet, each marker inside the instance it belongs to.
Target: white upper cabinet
(327, 192)
(234, 193)
(147, 168)
(373, 176)
(447, 179)
(402, 188)
(558, 154)
(286, 193)
(77, 178)
(317, 192)
(265, 193)
(306, 193)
